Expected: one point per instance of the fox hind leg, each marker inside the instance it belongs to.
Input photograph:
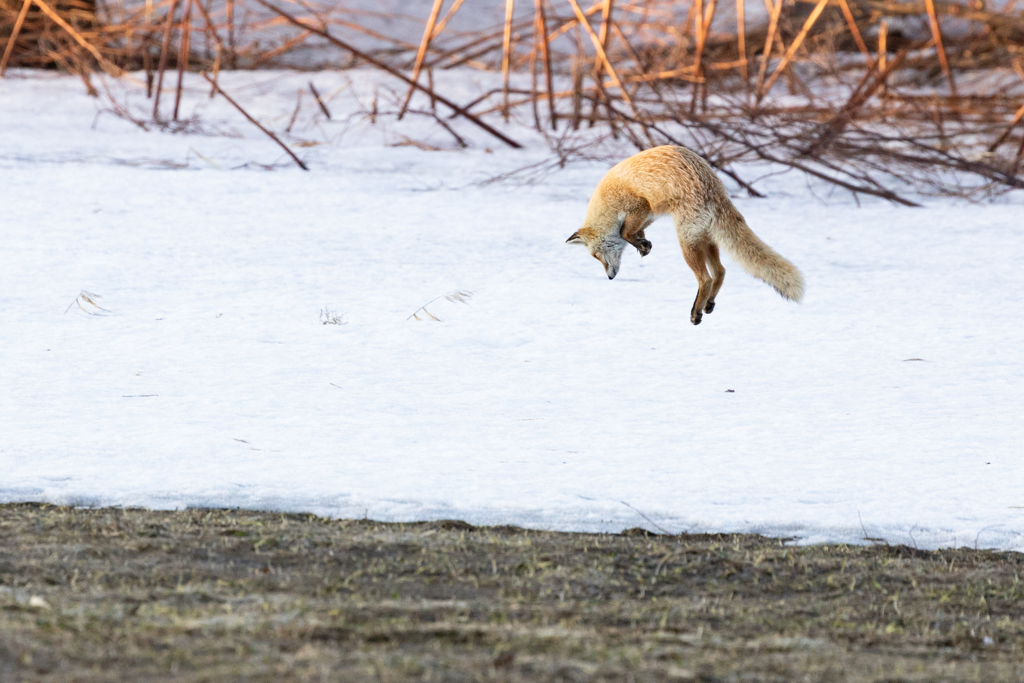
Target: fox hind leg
(714, 264)
(696, 256)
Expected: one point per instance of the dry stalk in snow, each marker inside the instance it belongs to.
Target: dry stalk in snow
(458, 296)
(846, 91)
(90, 307)
(328, 317)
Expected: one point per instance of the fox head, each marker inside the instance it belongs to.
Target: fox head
(605, 248)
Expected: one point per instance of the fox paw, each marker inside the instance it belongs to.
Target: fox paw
(695, 317)
(644, 247)
(709, 307)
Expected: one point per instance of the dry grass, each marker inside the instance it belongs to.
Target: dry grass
(329, 317)
(223, 595)
(846, 91)
(457, 296)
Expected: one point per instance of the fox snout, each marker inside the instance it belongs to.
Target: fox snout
(608, 251)
(611, 270)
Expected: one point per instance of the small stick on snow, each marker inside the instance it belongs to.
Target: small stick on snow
(298, 105)
(458, 296)
(255, 122)
(320, 101)
(461, 141)
(89, 298)
(652, 522)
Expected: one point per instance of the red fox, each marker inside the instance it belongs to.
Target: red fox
(675, 181)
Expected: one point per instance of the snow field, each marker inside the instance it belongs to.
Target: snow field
(886, 405)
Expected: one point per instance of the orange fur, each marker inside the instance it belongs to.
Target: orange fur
(674, 181)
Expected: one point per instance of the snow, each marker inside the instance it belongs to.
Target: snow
(887, 405)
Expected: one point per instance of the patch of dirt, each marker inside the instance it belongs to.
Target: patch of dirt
(230, 595)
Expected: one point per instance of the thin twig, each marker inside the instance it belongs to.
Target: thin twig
(320, 101)
(255, 122)
(852, 24)
(506, 54)
(186, 26)
(793, 47)
(397, 74)
(542, 30)
(428, 34)
(933, 21)
(604, 57)
(1013, 122)
(162, 66)
(773, 24)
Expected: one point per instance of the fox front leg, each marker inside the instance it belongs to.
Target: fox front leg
(633, 227)
(641, 243)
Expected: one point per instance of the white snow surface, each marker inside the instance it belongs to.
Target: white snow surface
(886, 406)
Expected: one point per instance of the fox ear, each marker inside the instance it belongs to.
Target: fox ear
(575, 239)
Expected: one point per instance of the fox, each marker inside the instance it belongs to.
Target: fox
(675, 181)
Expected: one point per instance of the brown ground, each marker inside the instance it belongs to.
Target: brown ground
(225, 595)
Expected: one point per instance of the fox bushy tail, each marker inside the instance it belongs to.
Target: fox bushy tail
(731, 232)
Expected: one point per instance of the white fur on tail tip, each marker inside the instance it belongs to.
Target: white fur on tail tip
(794, 289)
(671, 180)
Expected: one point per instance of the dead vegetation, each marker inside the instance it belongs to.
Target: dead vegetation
(228, 595)
(874, 96)
(458, 296)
